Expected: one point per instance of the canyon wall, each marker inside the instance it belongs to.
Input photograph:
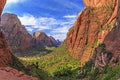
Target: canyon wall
(91, 27)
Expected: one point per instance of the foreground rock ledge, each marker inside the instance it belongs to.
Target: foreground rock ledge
(8, 73)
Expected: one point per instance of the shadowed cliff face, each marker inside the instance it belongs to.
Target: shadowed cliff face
(109, 52)
(5, 52)
(42, 40)
(91, 27)
(15, 33)
(8, 73)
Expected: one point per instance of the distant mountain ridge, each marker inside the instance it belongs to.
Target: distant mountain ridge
(18, 37)
(41, 39)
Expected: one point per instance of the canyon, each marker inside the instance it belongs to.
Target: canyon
(94, 37)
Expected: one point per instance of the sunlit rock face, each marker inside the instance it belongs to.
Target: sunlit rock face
(2, 4)
(96, 3)
(91, 27)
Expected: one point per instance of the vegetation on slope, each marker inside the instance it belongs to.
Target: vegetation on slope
(57, 65)
(92, 73)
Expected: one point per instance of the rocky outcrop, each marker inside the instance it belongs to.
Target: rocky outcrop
(16, 34)
(8, 73)
(91, 27)
(42, 40)
(5, 52)
(54, 41)
(96, 3)
(109, 53)
(2, 3)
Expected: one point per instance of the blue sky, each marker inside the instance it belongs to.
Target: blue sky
(54, 17)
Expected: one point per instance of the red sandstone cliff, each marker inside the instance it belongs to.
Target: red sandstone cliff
(8, 73)
(2, 3)
(16, 34)
(109, 51)
(91, 27)
(96, 3)
(5, 52)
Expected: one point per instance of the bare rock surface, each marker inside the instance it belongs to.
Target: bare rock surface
(91, 27)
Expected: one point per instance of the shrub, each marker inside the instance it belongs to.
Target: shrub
(63, 71)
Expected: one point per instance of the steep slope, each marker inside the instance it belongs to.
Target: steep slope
(105, 63)
(16, 34)
(91, 27)
(42, 40)
(5, 52)
(109, 51)
(55, 42)
(2, 5)
(7, 73)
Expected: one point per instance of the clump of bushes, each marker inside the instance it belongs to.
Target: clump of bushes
(63, 71)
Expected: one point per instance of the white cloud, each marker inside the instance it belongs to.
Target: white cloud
(40, 23)
(70, 16)
(10, 2)
(28, 19)
(57, 27)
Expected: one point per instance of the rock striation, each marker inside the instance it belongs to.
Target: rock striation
(5, 51)
(8, 73)
(108, 52)
(91, 27)
(16, 34)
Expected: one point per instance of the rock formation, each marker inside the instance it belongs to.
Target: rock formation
(96, 3)
(16, 34)
(2, 3)
(8, 73)
(55, 42)
(91, 28)
(108, 52)
(5, 51)
(19, 38)
(42, 40)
